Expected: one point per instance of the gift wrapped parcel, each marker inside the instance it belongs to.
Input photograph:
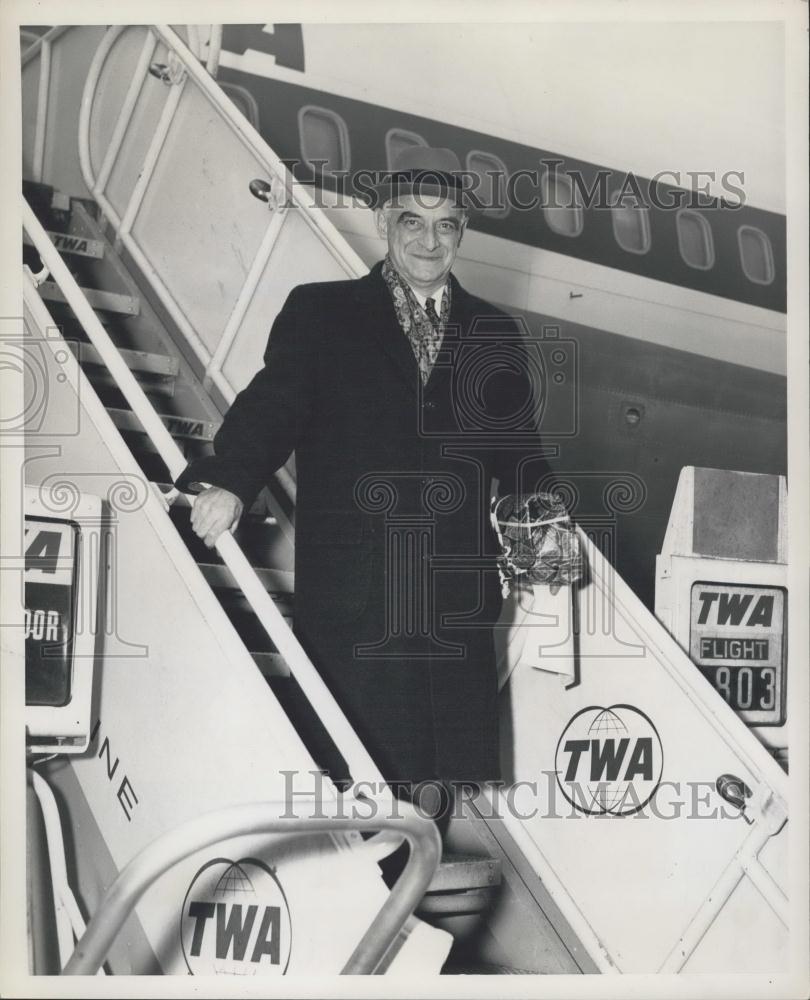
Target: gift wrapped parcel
(541, 558)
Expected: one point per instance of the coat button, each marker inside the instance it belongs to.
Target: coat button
(429, 404)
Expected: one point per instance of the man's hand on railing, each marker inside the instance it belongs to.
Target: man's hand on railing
(215, 510)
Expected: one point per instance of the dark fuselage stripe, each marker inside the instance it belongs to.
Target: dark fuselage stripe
(279, 103)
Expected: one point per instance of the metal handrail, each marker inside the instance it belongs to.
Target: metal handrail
(124, 116)
(69, 920)
(214, 50)
(54, 844)
(38, 156)
(194, 41)
(258, 818)
(298, 195)
(122, 224)
(35, 48)
(361, 764)
(297, 192)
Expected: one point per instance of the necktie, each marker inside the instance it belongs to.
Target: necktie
(432, 315)
(420, 324)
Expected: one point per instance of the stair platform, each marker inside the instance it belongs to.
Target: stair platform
(137, 361)
(178, 427)
(113, 302)
(465, 871)
(462, 884)
(80, 246)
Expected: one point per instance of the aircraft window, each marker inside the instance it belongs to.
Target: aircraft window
(244, 101)
(324, 139)
(397, 139)
(561, 206)
(631, 227)
(756, 255)
(491, 190)
(695, 239)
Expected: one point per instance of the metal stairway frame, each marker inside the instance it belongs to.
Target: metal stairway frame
(360, 762)
(219, 576)
(378, 946)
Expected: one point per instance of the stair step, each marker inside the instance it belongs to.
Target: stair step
(482, 969)
(235, 600)
(140, 445)
(456, 904)
(465, 871)
(178, 427)
(271, 664)
(156, 373)
(137, 361)
(463, 884)
(70, 243)
(154, 385)
(275, 581)
(128, 305)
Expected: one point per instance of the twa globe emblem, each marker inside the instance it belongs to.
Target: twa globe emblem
(609, 761)
(236, 921)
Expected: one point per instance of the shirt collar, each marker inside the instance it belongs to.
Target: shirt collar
(437, 296)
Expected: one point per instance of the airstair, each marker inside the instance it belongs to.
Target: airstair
(161, 237)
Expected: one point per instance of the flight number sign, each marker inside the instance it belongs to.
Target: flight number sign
(737, 640)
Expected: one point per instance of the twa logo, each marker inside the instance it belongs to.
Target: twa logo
(735, 607)
(236, 921)
(609, 760)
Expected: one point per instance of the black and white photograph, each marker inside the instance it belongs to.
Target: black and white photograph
(404, 544)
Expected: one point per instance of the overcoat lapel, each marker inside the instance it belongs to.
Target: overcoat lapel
(376, 311)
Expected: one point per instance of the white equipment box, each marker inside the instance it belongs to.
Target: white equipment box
(721, 590)
(63, 535)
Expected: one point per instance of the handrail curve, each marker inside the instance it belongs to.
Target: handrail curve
(201, 77)
(258, 818)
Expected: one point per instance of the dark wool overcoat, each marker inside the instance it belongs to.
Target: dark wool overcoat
(396, 584)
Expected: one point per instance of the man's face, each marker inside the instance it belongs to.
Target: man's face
(423, 237)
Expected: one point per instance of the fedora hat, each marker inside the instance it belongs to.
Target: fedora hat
(428, 171)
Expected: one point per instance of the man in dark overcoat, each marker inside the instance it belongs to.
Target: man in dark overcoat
(403, 396)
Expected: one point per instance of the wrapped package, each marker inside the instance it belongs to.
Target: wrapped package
(541, 558)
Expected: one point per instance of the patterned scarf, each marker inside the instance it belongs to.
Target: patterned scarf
(425, 338)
